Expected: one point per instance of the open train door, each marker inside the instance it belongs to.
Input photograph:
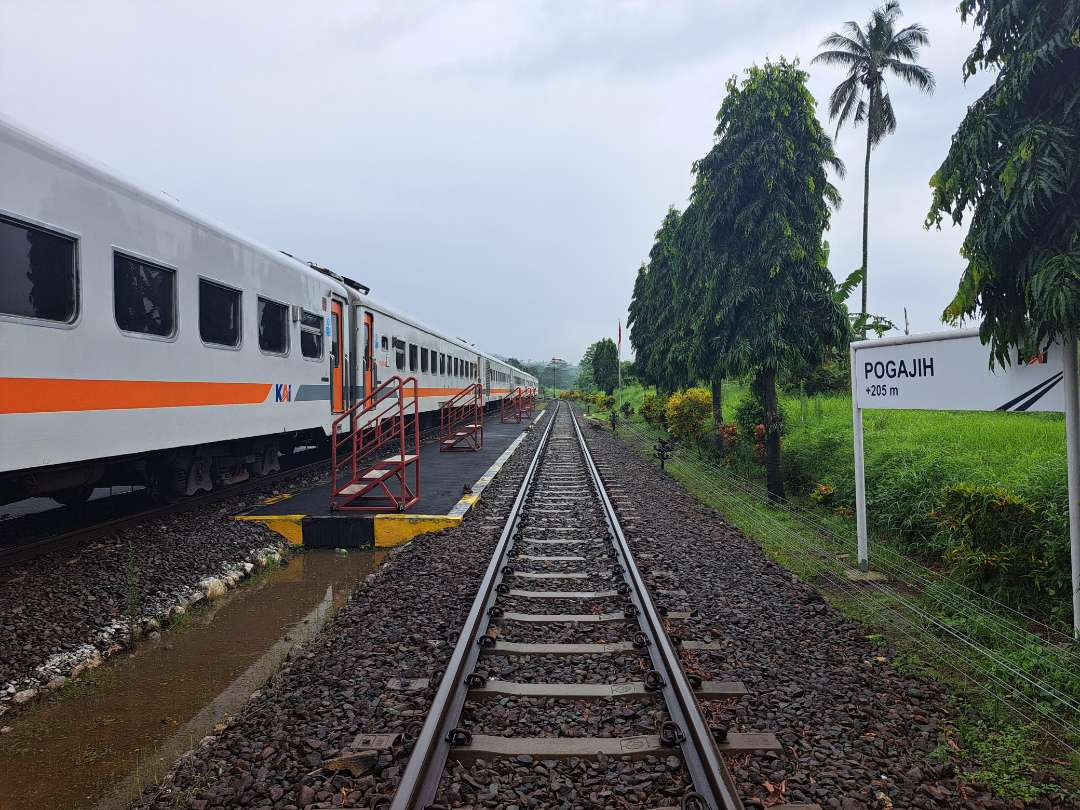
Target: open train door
(369, 353)
(337, 352)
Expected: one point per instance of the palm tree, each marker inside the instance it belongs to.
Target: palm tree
(869, 54)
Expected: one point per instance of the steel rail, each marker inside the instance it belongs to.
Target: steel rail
(420, 781)
(708, 771)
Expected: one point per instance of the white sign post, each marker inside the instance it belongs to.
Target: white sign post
(950, 371)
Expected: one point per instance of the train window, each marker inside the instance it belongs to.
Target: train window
(412, 357)
(273, 327)
(423, 360)
(457, 367)
(399, 353)
(385, 345)
(311, 335)
(442, 364)
(144, 296)
(219, 314)
(37, 273)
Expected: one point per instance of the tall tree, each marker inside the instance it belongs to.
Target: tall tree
(870, 54)
(765, 201)
(658, 333)
(605, 364)
(1014, 164)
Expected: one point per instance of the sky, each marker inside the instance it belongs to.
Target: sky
(497, 168)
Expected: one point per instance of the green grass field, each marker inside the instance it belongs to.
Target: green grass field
(911, 458)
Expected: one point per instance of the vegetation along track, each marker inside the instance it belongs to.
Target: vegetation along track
(562, 535)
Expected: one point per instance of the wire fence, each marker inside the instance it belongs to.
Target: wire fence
(1018, 663)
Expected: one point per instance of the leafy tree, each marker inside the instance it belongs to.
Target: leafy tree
(765, 198)
(862, 97)
(1014, 164)
(659, 335)
(585, 380)
(606, 364)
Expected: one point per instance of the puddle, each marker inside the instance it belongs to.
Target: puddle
(123, 724)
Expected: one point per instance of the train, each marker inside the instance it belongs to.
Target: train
(143, 344)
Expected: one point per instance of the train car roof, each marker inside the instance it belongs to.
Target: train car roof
(49, 150)
(43, 147)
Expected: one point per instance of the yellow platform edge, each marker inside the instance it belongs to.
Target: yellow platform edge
(396, 530)
(288, 526)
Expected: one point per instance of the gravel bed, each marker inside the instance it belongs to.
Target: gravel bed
(566, 668)
(551, 717)
(521, 604)
(856, 732)
(578, 633)
(64, 612)
(585, 783)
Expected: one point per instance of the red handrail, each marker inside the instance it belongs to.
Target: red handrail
(376, 420)
(464, 408)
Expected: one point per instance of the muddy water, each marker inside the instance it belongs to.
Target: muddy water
(124, 723)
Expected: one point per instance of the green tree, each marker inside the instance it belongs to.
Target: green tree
(765, 201)
(1014, 165)
(585, 379)
(659, 334)
(870, 54)
(605, 364)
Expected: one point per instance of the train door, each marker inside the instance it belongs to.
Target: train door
(368, 339)
(337, 370)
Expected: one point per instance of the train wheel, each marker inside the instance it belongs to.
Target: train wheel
(76, 496)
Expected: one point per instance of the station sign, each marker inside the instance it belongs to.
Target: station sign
(951, 371)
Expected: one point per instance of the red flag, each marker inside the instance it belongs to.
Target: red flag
(620, 333)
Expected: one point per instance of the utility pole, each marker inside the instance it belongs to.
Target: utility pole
(556, 362)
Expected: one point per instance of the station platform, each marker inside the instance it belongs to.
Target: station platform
(450, 483)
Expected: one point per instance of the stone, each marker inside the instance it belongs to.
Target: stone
(212, 587)
(25, 696)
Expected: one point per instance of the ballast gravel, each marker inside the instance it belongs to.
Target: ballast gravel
(856, 733)
(64, 612)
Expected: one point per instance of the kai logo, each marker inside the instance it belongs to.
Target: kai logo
(282, 392)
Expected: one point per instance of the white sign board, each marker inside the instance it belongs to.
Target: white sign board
(950, 371)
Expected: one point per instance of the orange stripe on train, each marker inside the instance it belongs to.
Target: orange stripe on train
(49, 395)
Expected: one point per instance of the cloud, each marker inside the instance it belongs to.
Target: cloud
(498, 169)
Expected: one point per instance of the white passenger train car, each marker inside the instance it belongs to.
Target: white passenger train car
(142, 344)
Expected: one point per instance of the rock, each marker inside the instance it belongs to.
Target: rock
(25, 696)
(358, 764)
(212, 587)
(55, 683)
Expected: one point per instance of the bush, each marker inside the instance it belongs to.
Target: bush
(750, 412)
(1000, 544)
(627, 410)
(603, 402)
(688, 414)
(654, 410)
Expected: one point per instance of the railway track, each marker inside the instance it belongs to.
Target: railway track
(562, 534)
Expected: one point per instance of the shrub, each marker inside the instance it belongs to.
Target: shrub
(604, 402)
(627, 410)
(1000, 544)
(750, 412)
(688, 414)
(654, 410)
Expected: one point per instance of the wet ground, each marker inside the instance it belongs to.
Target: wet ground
(99, 740)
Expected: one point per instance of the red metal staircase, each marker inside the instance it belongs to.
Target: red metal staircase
(372, 467)
(510, 406)
(461, 420)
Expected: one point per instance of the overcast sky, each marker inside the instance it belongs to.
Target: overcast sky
(496, 168)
